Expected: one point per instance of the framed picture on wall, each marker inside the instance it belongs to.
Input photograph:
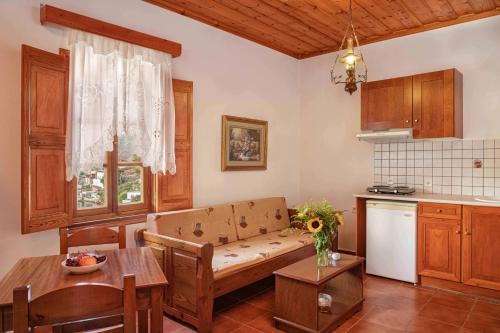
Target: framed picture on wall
(244, 144)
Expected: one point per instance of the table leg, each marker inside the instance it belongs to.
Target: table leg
(156, 310)
(143, 321)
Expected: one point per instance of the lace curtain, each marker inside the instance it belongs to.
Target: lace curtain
(117, 88)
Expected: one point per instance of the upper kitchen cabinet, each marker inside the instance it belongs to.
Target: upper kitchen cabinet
(437, 105)
(386, 104)
(430, 103)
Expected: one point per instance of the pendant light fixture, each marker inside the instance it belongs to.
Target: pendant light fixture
(352, 60)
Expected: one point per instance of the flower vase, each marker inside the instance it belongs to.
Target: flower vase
(322, 257)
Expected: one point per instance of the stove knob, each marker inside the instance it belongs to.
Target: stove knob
(376, 190)
(395, 191)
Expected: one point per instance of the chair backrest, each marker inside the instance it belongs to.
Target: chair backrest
(76, 304)
(91, 236)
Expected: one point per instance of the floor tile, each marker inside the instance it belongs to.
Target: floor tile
(389, 317)
(264, 301)
(485, 324)
(347, 325)
(223, 324)
(444, 314)
(243, 312)
(487, 309)
(424, 325)
(453, 301)
(409, 305)
(265, 324)
(246, 329)
(171, 325)
(367, 327)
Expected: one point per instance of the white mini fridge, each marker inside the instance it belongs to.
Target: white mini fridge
(391, 239)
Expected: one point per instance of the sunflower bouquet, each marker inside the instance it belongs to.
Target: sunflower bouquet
(322, 220)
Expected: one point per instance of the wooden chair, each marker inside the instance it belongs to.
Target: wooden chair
(78, 308)
(91, 236)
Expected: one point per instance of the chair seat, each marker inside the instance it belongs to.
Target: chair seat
(244, 253)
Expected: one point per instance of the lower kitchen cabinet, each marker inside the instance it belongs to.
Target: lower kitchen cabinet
(439, 249)
(481, 247)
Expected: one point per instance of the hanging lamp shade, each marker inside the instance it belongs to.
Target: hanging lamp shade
(349, 59)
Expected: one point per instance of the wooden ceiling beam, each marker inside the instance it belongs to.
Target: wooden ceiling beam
(61, 17)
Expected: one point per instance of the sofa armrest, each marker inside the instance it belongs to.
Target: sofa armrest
(188, 269)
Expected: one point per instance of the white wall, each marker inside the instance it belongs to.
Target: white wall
(334, 165)
(231, 76)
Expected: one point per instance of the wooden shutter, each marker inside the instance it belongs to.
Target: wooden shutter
(45, 193)
(176, 192)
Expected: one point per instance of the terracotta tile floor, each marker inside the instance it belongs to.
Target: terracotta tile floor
(390, 306)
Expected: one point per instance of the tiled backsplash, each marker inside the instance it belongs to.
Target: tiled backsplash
(448, 167)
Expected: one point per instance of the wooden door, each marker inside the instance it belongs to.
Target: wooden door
(438, 248)
(176, 192)
(386, 104)
(45, 194)
(437, 104)
(481, 247)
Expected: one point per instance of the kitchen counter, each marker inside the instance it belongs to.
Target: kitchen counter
(428, 197)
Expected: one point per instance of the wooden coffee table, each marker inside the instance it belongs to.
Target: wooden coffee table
(298, 287)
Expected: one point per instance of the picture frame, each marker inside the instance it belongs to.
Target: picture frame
(244, 144)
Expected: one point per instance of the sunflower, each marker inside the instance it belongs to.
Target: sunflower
(340, 218)
(315, 225)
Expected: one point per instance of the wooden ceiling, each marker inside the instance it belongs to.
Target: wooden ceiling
(306, 28)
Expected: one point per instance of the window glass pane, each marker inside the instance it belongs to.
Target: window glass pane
(91, 190)
(130, 185)
(127, 149)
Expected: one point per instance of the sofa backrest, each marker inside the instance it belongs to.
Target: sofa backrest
(256, 217)
(222, 224)
(212, 224)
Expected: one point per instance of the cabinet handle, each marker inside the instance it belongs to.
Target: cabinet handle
(468, 233)
(458, 232)
(439, 210)
(407, 121)
(416, 120)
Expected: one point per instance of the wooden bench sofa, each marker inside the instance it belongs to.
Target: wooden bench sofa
(208, 252)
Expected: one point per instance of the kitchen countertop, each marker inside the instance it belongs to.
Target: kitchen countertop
(428, 197)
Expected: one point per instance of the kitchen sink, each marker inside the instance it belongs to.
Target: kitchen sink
(488, 199)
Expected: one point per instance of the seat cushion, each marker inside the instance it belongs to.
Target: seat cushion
(244, 253)
(261, 216)
(212, 225)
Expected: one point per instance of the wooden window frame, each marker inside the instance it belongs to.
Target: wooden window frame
(114, 211)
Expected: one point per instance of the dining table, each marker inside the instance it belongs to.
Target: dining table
(46, 273)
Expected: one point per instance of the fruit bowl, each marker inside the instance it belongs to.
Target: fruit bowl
(84, 263)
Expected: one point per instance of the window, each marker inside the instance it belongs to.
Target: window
(120, 188)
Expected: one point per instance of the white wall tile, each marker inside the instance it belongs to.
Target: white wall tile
(447, 165)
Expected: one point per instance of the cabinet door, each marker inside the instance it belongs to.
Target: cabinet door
(481, 247)
(176, 192)
(386, 104)
(437, 104)
(45, 194)
(439, 248)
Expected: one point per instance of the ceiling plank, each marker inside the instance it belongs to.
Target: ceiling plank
(383, 14)
(442, 9)
(421, 11)
(427, 27)
(482, 5)
(215, 23)
(287, 22)
(305, 28)
(461, 7)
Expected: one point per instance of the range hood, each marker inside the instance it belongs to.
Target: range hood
(392, 135)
